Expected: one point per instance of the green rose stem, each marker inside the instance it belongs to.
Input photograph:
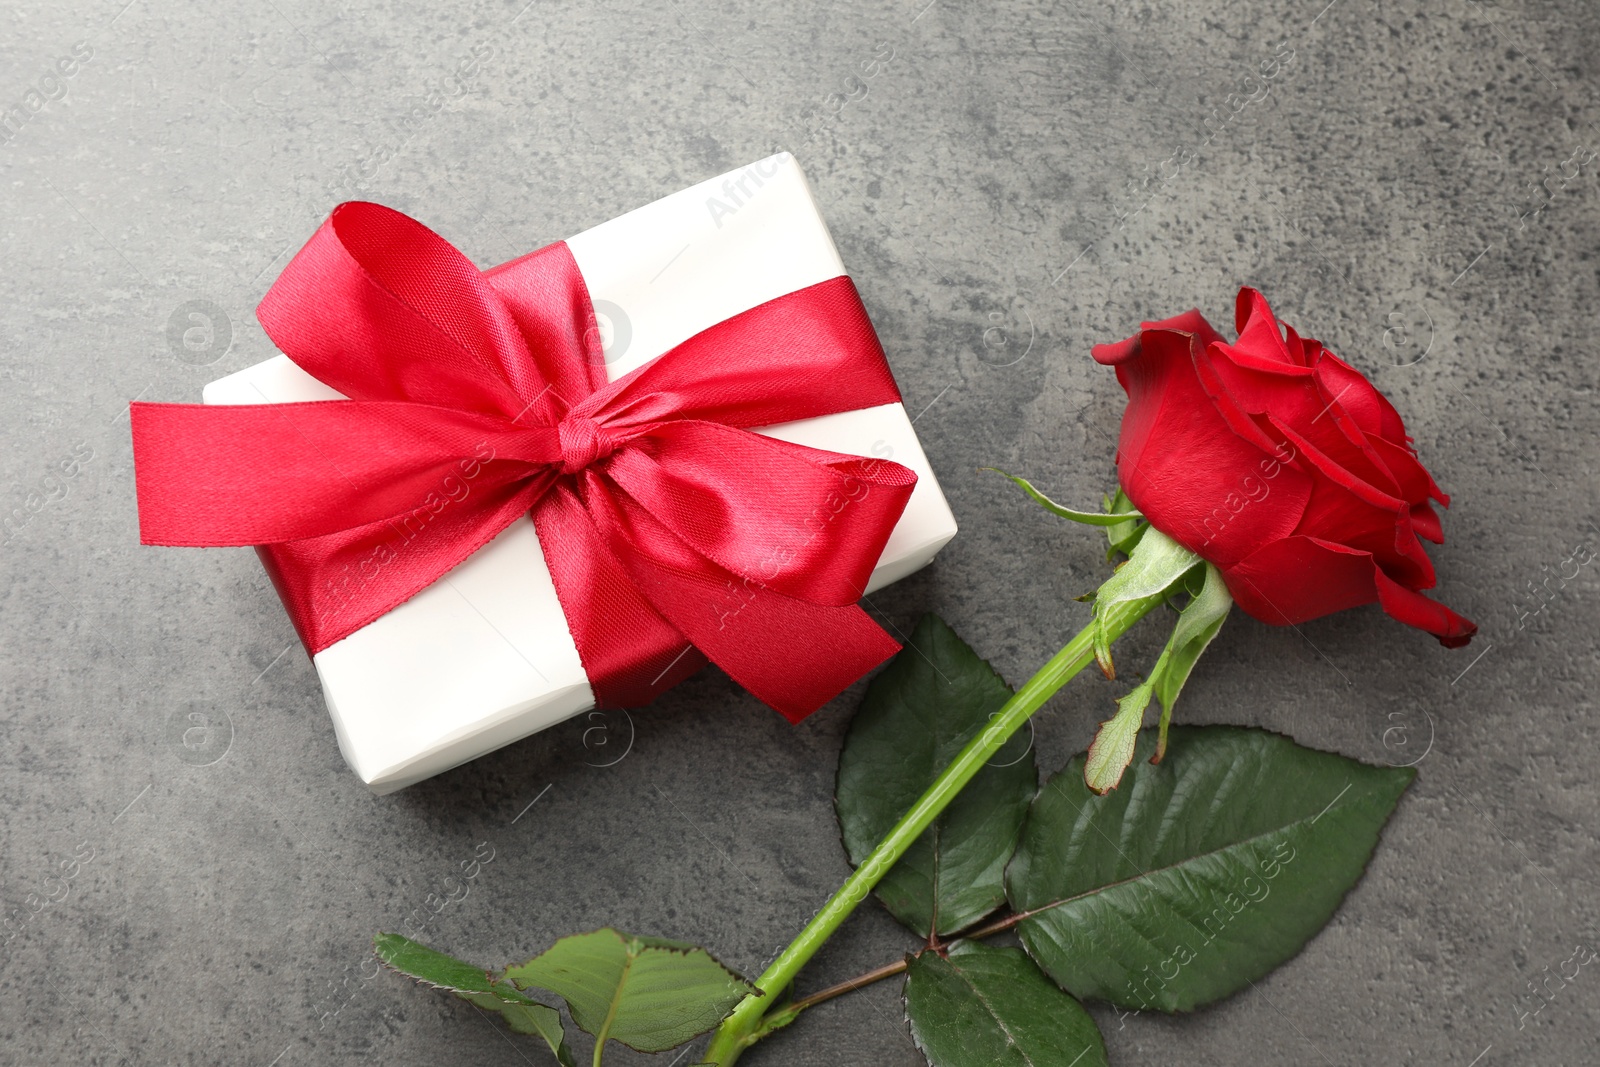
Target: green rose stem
(748, 1022)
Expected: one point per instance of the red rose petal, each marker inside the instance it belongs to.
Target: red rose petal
(1251, 357)
(1303, 578)
(1191, 322)
(1426, 522)
(1345, 397)
(1258, 330)
(1391, 426)
(1355, 393)
(1237, 418)
(1322, 463)
(1297, 401)
(1416, 484)
(1347, 510)
(1387, 536)
(1414, 609)
(1116, 352)
(1302, 350)
(1186, 469)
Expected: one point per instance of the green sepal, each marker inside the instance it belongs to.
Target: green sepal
(1090, 518)
(1112, 748)
(1123, 536)
(1198, 623)
(1156, 565)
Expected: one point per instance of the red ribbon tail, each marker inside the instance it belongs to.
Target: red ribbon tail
(822, 652)
(792, 655)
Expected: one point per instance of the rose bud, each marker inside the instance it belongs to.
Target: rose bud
(1282, 465)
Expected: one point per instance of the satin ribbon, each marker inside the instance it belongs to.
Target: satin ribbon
(672, 532)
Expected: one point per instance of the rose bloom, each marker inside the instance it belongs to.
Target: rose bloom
(1280, 463)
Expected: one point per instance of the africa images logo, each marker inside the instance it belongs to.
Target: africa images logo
(736, 191)
(51, 86)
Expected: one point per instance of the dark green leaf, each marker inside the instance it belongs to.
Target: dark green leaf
(917, 715)
(647, 993)
(990, 1007)
(1200, 874)
(477, 986)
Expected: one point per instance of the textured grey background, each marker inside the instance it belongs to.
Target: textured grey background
(1003, 192)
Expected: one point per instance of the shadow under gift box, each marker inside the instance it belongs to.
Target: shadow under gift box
(484, 657)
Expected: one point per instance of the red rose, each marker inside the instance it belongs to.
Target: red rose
(1280, 463)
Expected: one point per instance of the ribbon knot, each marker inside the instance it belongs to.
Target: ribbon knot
(751, 550)
(584, 442)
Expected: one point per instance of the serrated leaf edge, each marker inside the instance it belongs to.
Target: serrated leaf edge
(1411, 776)
(512, 995)
(671, 947)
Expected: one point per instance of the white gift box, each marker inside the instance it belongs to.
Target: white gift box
(484, 657)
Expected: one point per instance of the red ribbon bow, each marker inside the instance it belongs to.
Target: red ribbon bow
(476, 397)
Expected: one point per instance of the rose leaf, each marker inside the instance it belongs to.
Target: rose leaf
(990, 1007)
(1202, 873)
(648, 993)
(477, 986)
(917, 715)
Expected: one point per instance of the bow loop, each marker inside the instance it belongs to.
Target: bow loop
(380, 307)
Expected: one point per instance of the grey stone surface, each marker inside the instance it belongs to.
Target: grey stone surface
(1006, 192)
